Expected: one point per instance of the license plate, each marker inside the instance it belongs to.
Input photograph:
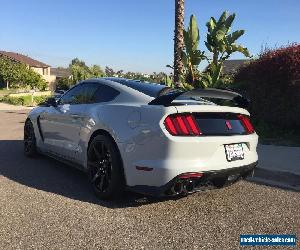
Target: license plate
(234, 152)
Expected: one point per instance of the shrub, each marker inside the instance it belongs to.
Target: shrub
(24, 100)
(272, 84)
(39, 99)
(64, 83)
(13, 100)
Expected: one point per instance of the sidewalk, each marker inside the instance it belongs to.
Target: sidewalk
(278, 166)
(5, 106)
(279, 158)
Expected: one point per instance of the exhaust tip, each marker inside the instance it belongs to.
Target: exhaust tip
(178, 187)
(189, 186)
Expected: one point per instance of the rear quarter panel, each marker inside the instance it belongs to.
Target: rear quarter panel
(129, 125)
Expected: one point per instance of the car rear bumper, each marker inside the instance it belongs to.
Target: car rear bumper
(209, 180)
(170, 157)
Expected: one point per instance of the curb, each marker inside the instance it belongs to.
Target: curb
(281, 179)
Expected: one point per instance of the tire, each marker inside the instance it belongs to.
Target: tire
(30, 149)
(105, 168)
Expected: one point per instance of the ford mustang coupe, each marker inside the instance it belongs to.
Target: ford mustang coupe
(145, 137)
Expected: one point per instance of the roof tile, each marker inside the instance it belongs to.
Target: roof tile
(23, 59)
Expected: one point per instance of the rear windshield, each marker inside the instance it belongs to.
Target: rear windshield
(150, 89)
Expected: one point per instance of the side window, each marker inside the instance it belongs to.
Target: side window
(105, 94)
(80, 94)
(69, 95)
(87, 94)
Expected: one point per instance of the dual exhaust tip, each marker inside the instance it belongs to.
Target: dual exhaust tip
(185, 183)
(181, 187)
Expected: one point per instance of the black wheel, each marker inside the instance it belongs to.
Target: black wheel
(29, 140)
(105, 168)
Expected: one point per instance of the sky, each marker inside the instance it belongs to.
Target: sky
(133, 35)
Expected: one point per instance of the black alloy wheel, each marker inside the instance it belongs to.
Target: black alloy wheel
(105, 167)
(30, 149)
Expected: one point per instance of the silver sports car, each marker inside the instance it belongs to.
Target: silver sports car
(146, 137)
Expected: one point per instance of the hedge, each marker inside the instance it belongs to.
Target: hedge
(272, 82)
(24, 100)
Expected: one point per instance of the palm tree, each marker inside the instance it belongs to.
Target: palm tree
(178, 41)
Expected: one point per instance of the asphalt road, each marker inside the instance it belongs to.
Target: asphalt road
(44, 204)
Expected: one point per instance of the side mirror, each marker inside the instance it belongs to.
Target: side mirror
(52, 102)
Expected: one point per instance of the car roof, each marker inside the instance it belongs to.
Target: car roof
(127, 94)
(150, 89)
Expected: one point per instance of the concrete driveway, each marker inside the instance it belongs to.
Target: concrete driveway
(47, 205)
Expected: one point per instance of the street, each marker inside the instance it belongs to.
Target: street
(45, 204)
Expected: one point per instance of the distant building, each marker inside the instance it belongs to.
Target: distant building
(60, 73)
(39, 67)
(231, 66)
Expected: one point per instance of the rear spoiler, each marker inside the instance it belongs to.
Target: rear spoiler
(236, 98)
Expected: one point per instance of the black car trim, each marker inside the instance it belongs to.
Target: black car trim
(162, 191)
(166, 100)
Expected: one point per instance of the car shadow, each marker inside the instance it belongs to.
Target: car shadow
(16, 112)
(49, 175)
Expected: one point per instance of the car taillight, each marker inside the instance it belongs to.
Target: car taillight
(246, 123)
(190, 175)
(182, 125)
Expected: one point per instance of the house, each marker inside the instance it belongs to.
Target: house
(39, 67)
(231, 66)
(61, 72)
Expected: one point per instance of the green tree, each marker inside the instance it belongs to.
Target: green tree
(109, 71)
(178, 41)
(168, 81)
(158, 77)
(78, 62)
(80, 71)
(31, 78)
(64, 83)
(129, 75)
(8, 72)
(96, 71)
(191, 55)
(18, 75)
(222, 43)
